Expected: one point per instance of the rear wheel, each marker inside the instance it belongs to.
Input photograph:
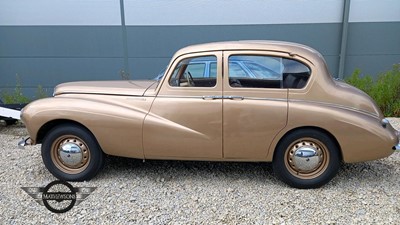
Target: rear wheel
(71, 153)
(306, 158)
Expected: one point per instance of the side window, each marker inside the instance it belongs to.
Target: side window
(253, 71)
(213, 69)
(295, 74)
(235, 70)
(195, 72)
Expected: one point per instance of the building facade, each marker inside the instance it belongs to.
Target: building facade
(46, 42)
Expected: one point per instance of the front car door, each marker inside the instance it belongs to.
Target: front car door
(185, 119)
(255, 106)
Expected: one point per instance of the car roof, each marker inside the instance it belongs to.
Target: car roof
(280, 46)
(201, 60)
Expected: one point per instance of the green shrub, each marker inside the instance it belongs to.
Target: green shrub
(385, 90)
(40, 92)
(17, 96)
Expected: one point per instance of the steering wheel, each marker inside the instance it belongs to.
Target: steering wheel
(189, 79)
(235, 83)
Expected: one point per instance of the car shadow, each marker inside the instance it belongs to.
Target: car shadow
(374, 171)
(169, 170)
(369, 173)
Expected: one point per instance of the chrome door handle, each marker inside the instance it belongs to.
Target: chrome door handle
(234, 97)
(212, 97)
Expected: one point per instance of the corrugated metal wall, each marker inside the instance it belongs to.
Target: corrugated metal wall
(52, 41)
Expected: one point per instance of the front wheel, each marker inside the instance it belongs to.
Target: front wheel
(71, 153)
(306, 158)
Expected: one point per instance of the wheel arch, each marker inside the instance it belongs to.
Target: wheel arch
(45, 128)
(319, 129)
(56, 133)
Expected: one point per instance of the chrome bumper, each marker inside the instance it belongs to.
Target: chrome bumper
(24, 142)
(396, 148)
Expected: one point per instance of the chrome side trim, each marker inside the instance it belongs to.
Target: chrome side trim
(186, 96)
(94, 93)
(268, 99)
(223, 97)
(333, 105)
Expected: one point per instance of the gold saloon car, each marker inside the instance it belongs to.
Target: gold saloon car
(258, 101)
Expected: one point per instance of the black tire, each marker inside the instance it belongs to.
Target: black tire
(301, 171)
(91, 157)
(10, 122)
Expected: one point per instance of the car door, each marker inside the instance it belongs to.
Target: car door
(185, 119)
(254, 107)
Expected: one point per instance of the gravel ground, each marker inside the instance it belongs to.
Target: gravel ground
(171, 192)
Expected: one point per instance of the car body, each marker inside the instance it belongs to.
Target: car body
(305, 122)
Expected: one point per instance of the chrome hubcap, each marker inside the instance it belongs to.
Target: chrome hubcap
(70, 154)
(305, 157)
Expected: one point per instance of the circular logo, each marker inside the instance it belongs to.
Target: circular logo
(59, 196)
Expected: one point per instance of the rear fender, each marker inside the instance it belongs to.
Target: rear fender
(361, 136)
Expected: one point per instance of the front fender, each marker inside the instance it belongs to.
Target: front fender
(115, 121)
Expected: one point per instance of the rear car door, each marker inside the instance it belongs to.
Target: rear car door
(255, 105)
